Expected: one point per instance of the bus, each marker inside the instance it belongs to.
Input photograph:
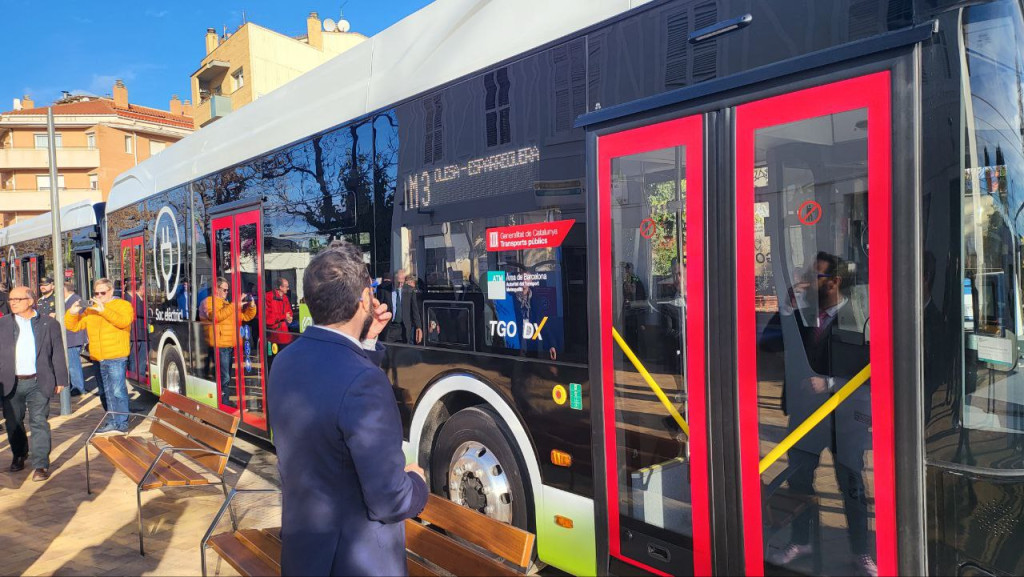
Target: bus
(681, 286)
(27, 255)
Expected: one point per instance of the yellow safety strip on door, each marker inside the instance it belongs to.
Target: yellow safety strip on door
(650, 383)
(816, 417)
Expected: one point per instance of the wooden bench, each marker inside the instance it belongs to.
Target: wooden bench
(202, 434)
(445, 539)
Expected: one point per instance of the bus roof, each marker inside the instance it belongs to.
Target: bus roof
(72, 216)
(444, 41)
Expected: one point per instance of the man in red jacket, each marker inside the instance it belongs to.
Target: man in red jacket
(279, 316)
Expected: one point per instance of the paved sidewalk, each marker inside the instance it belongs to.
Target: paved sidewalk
(55, 528)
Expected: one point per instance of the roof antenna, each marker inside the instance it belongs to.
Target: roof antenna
(244, 21)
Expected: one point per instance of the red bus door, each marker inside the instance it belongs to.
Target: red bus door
(652, 329)
(235, 325)
(814, 329)
(133, 290)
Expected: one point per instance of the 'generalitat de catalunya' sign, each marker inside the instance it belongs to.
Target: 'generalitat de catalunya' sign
(528, 236)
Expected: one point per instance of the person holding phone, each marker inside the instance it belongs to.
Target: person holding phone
(107, 322)
(220, 318)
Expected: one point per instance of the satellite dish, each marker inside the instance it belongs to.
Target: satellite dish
(344, 26)
(330, 25)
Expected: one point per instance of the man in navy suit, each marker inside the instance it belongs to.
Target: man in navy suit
(346, 488)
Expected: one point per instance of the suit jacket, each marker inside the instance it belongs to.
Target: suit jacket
(411, 314)
(51, 366)
(339, 447)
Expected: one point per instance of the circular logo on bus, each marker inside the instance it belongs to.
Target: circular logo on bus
(167, 252)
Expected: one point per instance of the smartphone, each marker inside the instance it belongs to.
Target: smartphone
(90, 303)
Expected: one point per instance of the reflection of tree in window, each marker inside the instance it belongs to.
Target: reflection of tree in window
(433, 150)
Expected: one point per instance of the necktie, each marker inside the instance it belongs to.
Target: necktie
(398, 305)
(823, 318)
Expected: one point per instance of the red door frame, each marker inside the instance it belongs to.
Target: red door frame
(873, 93)
(232, 223)
(686, 132)
(129, 283)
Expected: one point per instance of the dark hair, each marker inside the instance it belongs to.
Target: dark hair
(280, 281)
(333, 283)
(837, 268)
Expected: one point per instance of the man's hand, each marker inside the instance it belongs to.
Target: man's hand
(416, 469)
(381, 318)
(818, 384)
(553, 354)
(58, 389)
(419, 336)
(97, 306)
(76, 309)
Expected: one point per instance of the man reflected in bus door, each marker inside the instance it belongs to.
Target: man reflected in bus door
(834, 347)
(634, 307)
(221, 318)
(278, 308)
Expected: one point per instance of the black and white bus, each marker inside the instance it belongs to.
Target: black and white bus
(681, 286)
(27, 255)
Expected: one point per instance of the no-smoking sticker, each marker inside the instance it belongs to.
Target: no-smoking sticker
(648, 227)
(809, 213)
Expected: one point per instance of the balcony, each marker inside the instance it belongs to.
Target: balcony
(14, 158)
(212, 108)
(39, 200)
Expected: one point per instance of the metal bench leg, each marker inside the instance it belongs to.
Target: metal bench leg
(231, 510)
(202, 558)
(138, 499)
(88, 487)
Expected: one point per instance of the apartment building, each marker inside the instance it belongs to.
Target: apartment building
(247, 64)
(96, 139)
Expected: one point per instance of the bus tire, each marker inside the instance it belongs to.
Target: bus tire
(475, 455)
(172, 372)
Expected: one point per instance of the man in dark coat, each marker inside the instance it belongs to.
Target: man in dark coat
(32, 369)
(346, 488)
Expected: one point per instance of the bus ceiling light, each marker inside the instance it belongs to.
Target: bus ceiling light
(560, 458)
(719, 28)
(564, 522)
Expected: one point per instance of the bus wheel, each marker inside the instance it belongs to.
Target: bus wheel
(172, 373)
(474, 464)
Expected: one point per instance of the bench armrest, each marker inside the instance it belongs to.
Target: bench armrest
(224, 507)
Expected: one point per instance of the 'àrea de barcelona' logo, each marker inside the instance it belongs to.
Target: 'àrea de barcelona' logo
(167, 252)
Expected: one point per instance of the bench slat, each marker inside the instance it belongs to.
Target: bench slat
(417, 569)
(215, 417)
(508, 542)
(264, 546)
(216, 439)
(215, 463)
(449, 554)
(240, 557)
(123, 462)
(194, 477)
(162, 471)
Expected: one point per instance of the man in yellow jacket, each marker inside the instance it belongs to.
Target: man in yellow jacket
(220, 322)
(108, 322)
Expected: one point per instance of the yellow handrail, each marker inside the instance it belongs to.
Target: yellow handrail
(650, 383)
(815, 418)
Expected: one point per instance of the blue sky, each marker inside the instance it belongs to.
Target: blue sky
(154, 47)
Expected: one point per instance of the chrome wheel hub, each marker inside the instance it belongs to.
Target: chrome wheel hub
(477, 480)
(173, 383)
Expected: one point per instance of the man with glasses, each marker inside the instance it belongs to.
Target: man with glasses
(107, 322)
(32, 369)
(218, 315)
